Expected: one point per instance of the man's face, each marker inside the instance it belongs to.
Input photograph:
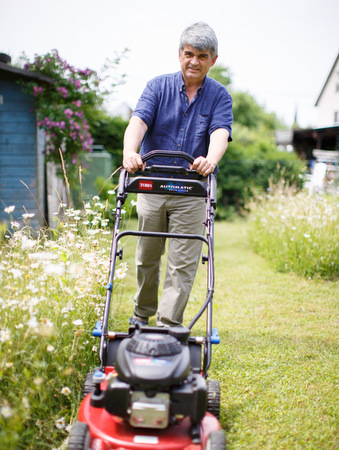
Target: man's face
(195, 64)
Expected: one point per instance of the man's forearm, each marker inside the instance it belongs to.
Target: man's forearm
(218, 145)
(134, 134)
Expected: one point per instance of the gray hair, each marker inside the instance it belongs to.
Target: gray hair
(200, 36)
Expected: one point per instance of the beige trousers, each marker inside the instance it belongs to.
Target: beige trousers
(173, 214)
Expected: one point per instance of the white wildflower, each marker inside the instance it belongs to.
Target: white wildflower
(9, 209)
(78, 322)
(54, 269)
(6, 411)
(50, 348)
(120, 273)
(25, 402)
(65, 391)
(28, 216)
(5, 335)
(60, 423)
(17, 273)
(76, 270)
(27, 243)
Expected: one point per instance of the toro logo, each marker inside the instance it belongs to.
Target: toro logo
(146, 185)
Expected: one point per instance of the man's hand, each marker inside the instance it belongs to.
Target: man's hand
(203, 166)
(216, 150)
(132, 162)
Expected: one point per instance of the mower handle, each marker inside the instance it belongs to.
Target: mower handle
(178, 170)
(166, 153)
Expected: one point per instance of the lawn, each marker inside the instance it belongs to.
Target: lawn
(278, 361)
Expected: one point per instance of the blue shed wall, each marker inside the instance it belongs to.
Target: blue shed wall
(19, 157)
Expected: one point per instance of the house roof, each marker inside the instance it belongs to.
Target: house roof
(327, 80)
(16, 72)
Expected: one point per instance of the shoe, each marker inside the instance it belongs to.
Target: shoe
(136, 320)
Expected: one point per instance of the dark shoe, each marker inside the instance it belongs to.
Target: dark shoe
(136, 320)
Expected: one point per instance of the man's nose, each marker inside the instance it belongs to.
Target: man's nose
(195, 61)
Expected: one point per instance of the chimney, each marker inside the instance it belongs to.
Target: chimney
(5, 58)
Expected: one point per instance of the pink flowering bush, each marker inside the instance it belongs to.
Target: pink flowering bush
(65, 108)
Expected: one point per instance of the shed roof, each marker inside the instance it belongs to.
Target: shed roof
(16, 72)
(327, 79)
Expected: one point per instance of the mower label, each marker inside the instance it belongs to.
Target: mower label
(146, 440)
(150, 362)
(176, 187)
(146, 185)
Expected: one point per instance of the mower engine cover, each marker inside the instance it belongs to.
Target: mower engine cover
(151, 360)
(155, 386)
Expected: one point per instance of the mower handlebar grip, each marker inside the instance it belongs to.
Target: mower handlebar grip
(167, 153)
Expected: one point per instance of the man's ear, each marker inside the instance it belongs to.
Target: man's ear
(214, 60)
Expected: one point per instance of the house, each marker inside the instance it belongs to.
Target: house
(328, 100)
(325, 136)
(23, 181)
(320, 145)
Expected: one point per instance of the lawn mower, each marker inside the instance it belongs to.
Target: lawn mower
(151, 390)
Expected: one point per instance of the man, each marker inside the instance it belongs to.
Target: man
(189, 112)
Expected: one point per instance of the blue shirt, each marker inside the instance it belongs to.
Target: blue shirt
(175, 124)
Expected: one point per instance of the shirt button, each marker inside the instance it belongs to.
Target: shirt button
(182, 129)
(178, 145)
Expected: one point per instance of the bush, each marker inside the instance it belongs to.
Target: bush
(251, 163)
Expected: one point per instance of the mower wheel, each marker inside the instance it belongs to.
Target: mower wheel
(216, 441)
(80, 438)
(213, 397)
(88, 385)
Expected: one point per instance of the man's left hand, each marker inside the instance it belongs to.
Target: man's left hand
(203, 166)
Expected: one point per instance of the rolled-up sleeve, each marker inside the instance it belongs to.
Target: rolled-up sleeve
(222, 116)
(147, 105)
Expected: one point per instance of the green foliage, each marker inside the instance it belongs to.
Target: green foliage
(3, 229)
(252, 160)
(109, 132)
(250, 169)
(220, 73)
(250, 114)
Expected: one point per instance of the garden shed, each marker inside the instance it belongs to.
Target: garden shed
(22, 162)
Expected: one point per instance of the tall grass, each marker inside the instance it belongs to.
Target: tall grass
(298, 232)
(52, 288)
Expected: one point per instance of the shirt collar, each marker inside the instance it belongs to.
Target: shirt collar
(182, 87)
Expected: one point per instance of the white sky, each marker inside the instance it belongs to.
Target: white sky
(280, 51)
